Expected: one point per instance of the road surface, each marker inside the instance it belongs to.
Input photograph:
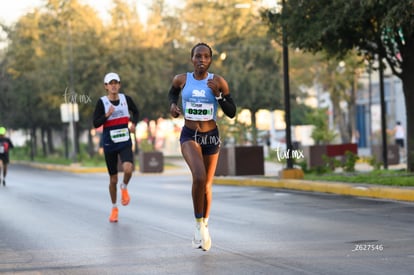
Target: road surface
(55, 222)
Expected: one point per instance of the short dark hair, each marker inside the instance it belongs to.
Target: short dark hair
(201, 44)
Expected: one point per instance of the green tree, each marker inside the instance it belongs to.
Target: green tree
(50, 53)
(65, 46)
(373, 27)
(339, 77)
(321, 134)
(21, 66)
(304, 69)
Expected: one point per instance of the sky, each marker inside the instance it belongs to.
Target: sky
(14, 9)
(11, 11)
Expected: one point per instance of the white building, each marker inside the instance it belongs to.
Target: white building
(368, 115)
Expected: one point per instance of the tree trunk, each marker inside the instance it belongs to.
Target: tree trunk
(408, 86)
(33, 143)
(352, 130)
(339, 118)
(77, 144)
(50, 144)
(254, 127)
(43, 141)
(91, 149)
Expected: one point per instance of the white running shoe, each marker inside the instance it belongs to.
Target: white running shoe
(205, 237)
(197, 236)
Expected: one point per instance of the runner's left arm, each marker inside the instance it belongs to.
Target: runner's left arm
(133, 109)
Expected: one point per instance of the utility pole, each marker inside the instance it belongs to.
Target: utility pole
(383, 113)
(289, 160)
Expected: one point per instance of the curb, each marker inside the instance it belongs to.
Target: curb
(78, 169)
(358, 190)
(405, 194)
(71, 169)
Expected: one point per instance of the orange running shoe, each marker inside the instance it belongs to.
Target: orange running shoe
(125, 196)
(114, 215)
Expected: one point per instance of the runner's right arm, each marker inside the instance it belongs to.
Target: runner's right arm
(99, 117)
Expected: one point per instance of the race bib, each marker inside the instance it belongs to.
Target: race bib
(2, 149)
(198, 111)
(119, 135)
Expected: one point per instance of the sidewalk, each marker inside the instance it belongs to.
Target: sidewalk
(177, 166)
(359, 190)
(271, 179)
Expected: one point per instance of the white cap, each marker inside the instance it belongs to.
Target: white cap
(111, 76)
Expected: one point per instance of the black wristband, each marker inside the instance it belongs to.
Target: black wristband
(173, 94)
(228, 106)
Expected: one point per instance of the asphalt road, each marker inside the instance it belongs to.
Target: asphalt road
(55, 222)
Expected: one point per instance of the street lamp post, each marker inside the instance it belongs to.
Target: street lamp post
(383, 114)
(370, 99)
(289, 160)
(289, 172)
